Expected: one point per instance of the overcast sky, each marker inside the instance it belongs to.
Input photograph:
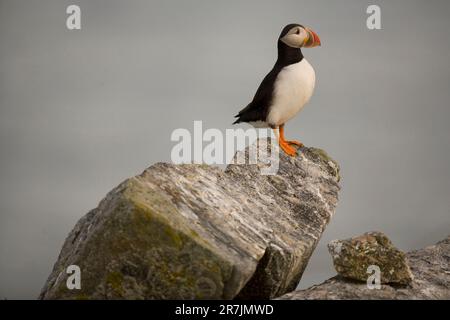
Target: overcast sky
(80, 111)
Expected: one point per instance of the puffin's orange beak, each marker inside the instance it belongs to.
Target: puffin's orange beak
(312, 40)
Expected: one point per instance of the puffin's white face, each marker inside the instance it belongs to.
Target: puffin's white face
(299, 37)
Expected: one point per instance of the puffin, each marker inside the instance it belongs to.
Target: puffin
(287, 88)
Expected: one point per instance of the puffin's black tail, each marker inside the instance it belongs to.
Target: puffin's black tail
(250, 113)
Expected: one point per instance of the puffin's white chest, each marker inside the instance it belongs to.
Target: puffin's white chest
(292, 90)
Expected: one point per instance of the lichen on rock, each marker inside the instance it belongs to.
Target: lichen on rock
(352, 258)
(199, 232)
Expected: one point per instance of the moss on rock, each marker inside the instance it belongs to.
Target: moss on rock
(352, 258)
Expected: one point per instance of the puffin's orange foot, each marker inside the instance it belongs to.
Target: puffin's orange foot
(296, 143)
(290, 151)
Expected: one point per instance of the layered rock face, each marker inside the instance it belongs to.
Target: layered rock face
(431, 280)
(198, 232)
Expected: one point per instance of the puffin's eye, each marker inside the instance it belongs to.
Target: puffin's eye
(298, 31)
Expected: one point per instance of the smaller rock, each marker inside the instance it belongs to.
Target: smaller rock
(352, 257)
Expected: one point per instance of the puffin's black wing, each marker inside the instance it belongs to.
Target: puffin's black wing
(258, 109)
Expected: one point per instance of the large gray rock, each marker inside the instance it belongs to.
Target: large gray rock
(430, 267)
(196, 231)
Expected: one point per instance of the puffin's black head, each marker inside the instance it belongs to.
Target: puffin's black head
(297, 36)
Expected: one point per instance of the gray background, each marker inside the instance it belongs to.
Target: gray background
(82, 110)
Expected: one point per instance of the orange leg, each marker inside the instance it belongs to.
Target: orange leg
(294, 142)
(285, 145)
